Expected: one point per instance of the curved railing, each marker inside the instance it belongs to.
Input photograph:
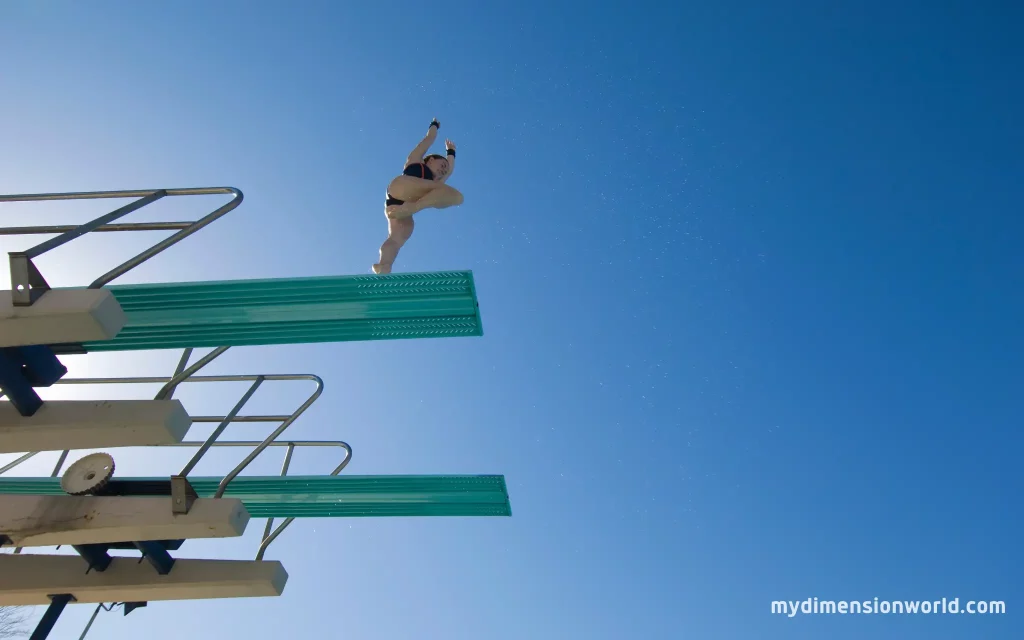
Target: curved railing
(184, 373)
(27, 283)
(268, 535)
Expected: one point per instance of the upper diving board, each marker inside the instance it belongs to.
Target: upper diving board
(181, 315)
(323, 496)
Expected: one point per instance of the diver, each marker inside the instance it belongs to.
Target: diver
(421, 186)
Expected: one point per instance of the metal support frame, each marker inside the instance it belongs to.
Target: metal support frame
(179, 487)
(156, 551)
(183, 496)
(99, 560)
(94, 554)
(24, 368)
(182, 375)
(28, 284)
(49, 619)
(182, 493)
(268, 535)
(157, 556)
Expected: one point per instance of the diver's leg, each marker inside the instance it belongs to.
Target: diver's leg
(441, 197)
(407, 188)
(399, 232)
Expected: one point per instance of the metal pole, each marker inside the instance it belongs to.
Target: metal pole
(284, 471)
(165, 391)
(222, 487)
(220, 428)
(49, 619)
(117, 226)
(81, 230)
(163, 244)
(186, 355)
(91, 620)
(28, 283)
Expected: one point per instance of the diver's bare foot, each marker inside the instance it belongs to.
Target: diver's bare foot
(381, 268)
(400, 211)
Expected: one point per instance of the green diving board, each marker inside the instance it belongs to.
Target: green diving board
(327, 496)
(178, 315)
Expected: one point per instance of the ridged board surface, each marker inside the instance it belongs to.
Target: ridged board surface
(295, 310)
(334, 496)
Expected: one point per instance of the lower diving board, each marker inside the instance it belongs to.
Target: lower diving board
(322, 496)
(93, 424)
(27, 579)
(41, 520)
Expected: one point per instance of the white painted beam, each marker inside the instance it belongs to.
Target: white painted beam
(39, 521)
(60, 316)
(27, 579)
(93, 424)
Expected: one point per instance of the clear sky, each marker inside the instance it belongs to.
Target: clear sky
(750, 276)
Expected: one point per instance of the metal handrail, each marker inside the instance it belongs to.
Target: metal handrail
(259, 447)
(27, 283)
(268, 536)
(184, 373)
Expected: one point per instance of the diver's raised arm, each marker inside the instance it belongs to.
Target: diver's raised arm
(421, 149)
(450, 148)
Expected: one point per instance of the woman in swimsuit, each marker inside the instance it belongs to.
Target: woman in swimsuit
(421, 186)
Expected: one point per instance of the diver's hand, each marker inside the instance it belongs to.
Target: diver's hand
(449, 145)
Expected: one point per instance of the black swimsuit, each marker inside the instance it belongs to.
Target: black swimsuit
(416, 170)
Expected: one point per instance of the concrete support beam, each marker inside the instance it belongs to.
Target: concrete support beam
(93, 424)
(40, 521)
(61, 316)
(31, 579)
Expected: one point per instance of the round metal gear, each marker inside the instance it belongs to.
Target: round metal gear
(88, 475)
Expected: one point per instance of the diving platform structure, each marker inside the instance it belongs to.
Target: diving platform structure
(99, 515)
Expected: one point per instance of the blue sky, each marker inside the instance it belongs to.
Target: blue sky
(749, 274)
